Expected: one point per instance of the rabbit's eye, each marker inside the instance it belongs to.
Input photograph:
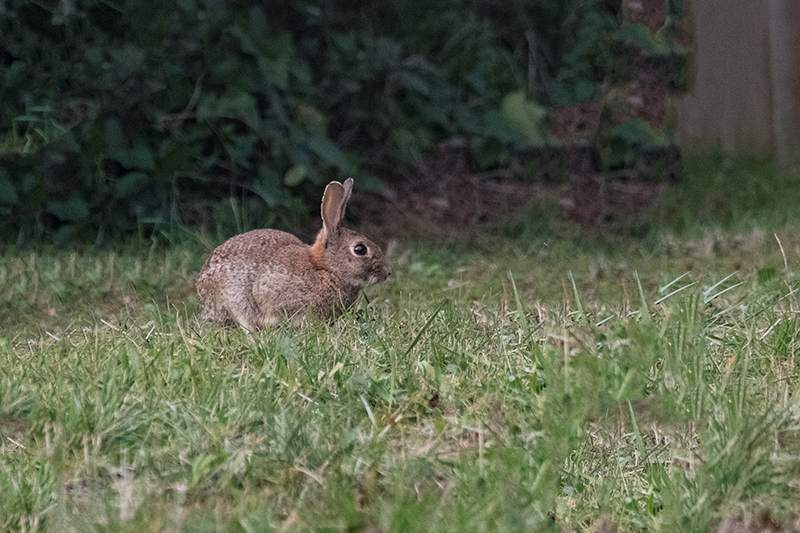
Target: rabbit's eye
(359, 249)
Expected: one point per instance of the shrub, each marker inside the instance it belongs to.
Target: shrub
(147, 116)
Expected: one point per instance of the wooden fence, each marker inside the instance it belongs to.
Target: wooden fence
(745, 92)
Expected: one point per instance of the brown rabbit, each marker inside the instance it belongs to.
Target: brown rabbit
(264, 276)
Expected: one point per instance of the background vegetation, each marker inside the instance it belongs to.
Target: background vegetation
(145, 117)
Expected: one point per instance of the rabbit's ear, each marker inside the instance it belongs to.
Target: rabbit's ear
(348, 190)
(334, 202)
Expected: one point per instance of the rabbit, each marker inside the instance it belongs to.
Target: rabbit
(265, 276)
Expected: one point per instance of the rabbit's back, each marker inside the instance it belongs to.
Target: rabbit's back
(226, 284)
(253, 246)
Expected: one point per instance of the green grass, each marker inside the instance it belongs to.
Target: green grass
(735, 193)
(533, 384)
(504, 389)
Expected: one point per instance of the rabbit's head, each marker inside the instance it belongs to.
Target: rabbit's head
(343, 252)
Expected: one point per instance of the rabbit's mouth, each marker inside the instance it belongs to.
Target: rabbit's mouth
(369, 280)
(364, 282)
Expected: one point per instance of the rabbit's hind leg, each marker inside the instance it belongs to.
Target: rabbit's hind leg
(212, 312)
(240, 306)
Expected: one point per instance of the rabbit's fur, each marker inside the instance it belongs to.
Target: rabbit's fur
(262, 277)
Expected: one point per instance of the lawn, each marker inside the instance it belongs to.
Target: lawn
(545, 383)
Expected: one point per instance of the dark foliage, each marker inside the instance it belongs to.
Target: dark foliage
(151, 116)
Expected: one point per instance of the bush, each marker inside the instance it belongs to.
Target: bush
(149, 116)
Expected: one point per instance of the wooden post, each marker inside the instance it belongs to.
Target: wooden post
(784, 104)
(730, 103)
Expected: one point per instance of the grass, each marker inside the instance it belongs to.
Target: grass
(31, 131)
(541, 385)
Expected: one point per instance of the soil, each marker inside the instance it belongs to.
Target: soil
(445, 198)
(649, 13)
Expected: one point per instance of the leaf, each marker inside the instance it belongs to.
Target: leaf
(231, 74)
(641, 37)
(498, 126)
(434, 115)
(467, 121)
(94, 56)
(346, 43)
(113, 138)
(583, 89)
(239, 104)
(312, 119)
(526, 116)
(139, 157)
(130, 184)
(174, 157)
(301, 71)
(268, 186)
(637, 132)
(329, 152)
(8, 192)
(276, 106)
(412, 82)
(14, 75)
(31, 190)
(64, 235)
(274, 66)
(295, 175)
(73, 209)
(188, 7)
(241, 147)
(257, 21)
